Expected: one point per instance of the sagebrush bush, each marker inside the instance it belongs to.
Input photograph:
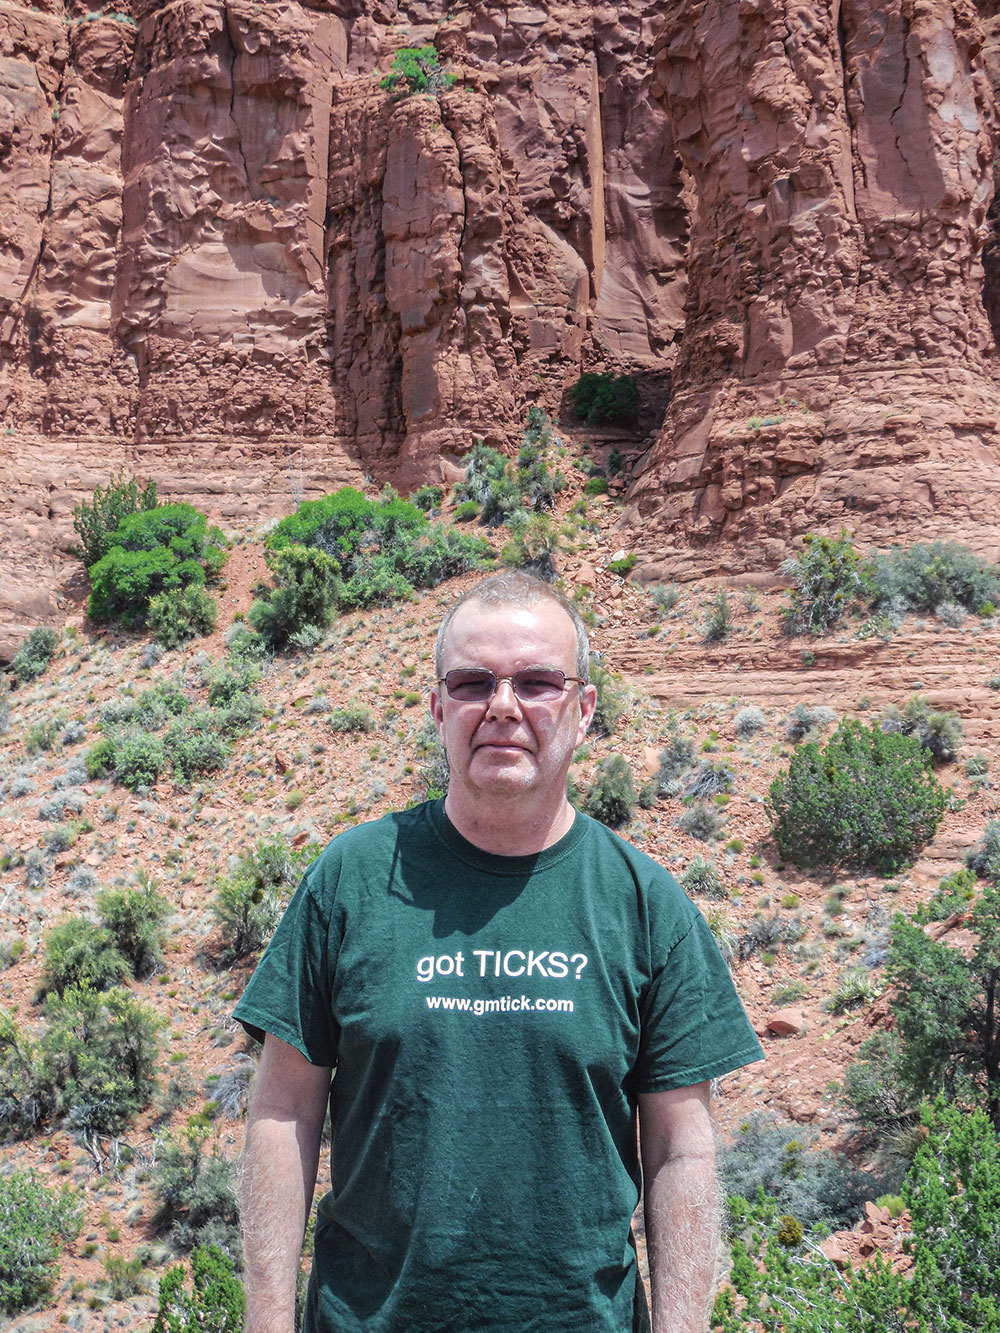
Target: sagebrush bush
(134, 919)
(808, 1182)
(612, 697)
(78, 952)
(36, 1224)
(676, 757)
(192, 744)
(196, 1197)
(35, 653)
(708, 780)
(605, 399)
(248, 902)
(804, 719)
(215, 1301)
(533, 544)
(700, 820)
(96, 522)
(748, 722)
(828, 581)
(354, 716)
(719, 621)
(612, 796)
(175, 618)
(924, 576)
(866, 799)
(984, 860)
(138, 758)
(491, 483)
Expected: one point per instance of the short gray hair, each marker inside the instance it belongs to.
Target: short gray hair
(516, 588)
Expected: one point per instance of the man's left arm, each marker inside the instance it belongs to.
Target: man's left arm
(681, 1205)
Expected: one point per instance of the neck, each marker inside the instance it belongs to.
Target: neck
(504, 828)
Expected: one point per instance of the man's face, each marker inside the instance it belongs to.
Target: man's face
(506, 747)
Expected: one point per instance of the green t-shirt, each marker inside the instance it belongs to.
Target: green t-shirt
(491, 1020)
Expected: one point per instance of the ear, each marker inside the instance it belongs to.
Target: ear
(588, 703)
(436, 711)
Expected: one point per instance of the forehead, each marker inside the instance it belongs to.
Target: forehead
(514, 636)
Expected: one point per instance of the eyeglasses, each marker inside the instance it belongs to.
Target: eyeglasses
(476, 685)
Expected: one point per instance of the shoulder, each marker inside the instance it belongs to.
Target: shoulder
(375, 843)
(652, 879)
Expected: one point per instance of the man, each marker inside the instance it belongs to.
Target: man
(501, 984)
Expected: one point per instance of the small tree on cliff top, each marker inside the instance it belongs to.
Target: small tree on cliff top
(416, 69)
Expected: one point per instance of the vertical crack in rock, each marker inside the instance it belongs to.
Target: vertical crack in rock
(857, 162)
(462, 257)
(231, 43)
(47, 211)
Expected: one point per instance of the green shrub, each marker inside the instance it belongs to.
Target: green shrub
(97, 1058)
(804, 719)
(78, 952)
(42, 735)
(192, 745)
(304, 594)
(676, 757)
(215, 1300)
(434, 773)
(612, 695)
(808, 1182)
(664, 597)
(35, 653)
(123, 1277)
(96, 522)
(156, 551)
(490, 482)
(984, 860)
(939, 733)
(196, 1196)
(428, 498)
(612, 796)
(249, 902)
(748, 722)
(708, 780)
(534, 541)
(952, 1191)
(36, 1223)
(857, 986)
(866, 799)
(466, 511)
(538, 484)
(955, 893)
(596, 486)
(828, 581)
(719, 621)
(139, 758)
(416, 69)
(925, 576)
(353, 716)
(605, 399)
(623, 567)
(100, 760)
(174, 618)
(702, 878)
(134, 918)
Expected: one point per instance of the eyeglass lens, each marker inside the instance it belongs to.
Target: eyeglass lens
(533, 684)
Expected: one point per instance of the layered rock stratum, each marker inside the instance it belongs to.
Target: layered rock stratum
(230, 261)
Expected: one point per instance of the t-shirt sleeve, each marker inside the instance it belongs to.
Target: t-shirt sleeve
(290, 992)
(694, 1026)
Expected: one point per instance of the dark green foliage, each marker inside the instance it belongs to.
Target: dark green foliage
(95, 523)
(416, 69)
(35, 653)
(304, 594)
(605, 400)
(78, 952)
(596, 486)
(466, 511)
(924, 576)
(623, 567)
(174, 618)
(491, 483)
(780, 1158)
(249, 901)
(611, 699)
(866, 799)
(36, 1223)
(953, 1193)
(215, 1301)
(939, 733)
(134, 918)
(192, 744)
(611, 797)
(139, 758)
(539, 485)
(196, 1195)
(162, 550)
(676, 757)
(828, 581)
(872, 1087)
(955, 893)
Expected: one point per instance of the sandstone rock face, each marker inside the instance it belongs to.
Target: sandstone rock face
(837, 367)
(230, 261)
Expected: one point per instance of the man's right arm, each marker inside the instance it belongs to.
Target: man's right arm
(280, 1157)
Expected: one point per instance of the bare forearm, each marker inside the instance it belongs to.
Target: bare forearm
(279, 1175)
(682, 1231)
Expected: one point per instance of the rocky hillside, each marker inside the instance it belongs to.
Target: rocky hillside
(231, 260)
(65, 837)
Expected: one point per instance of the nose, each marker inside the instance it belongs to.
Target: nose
(505, 702)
